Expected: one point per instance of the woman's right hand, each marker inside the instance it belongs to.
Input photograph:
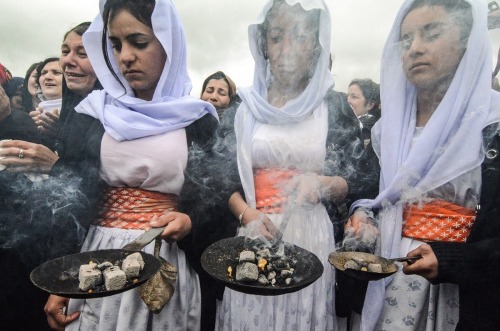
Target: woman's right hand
(256, 221)
(361, 226)
(56, 314)
(259, 221)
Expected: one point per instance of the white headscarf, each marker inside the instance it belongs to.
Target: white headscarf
(449, 145)
(126, 117)
(255, 107)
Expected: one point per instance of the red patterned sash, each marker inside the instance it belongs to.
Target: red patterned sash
(438, 220)
(133, 208)
(268, 195)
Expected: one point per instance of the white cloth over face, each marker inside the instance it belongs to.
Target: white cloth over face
(450, 144)
(126, 117)
(255, 109)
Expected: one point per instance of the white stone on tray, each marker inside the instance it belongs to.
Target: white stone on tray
(263, 279)
(286, 274)
(247, 256)
(375, 267)
(137, 257)
(89, 277)
(131, 268)
(271, 275)
(86, 267)
(350, 264)
(114, 278)
(247, 271)
(104, 265)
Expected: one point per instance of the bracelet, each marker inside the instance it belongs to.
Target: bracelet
(242, 213)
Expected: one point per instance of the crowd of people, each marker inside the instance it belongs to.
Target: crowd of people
(105, 142)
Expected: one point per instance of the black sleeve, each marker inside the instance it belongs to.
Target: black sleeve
(477, 260)
(76, 176)
(206, 190)
(463, 263)
(19, 126)
(346, 155)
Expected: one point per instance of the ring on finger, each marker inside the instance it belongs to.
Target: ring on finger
(21, 153)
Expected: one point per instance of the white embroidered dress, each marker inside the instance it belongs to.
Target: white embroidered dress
(152, 163)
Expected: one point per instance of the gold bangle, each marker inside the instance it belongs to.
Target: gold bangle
(240, 218)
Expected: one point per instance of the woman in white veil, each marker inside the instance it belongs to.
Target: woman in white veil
(293, 133)
(435, 88)
(138, 51)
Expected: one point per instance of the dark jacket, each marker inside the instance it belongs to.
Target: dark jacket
(19, 126)
(43, 220)
(475, 265)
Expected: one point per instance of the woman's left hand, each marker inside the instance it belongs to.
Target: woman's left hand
(23, 156)
(309, 188)
(426, 267)
(55, 308)
(178, 225)
(47, 122)
(306, 189)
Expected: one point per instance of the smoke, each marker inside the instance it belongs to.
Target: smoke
(40, 219)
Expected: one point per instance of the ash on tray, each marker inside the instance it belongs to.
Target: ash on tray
(263, 267)
(358, 263)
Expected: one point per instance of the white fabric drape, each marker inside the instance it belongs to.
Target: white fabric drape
(126, 117)
(255, 108)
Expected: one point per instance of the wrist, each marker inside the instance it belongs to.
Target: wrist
(242, 214)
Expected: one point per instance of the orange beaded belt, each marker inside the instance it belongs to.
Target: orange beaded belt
(269, 197)
(132, 208)
(438, 220)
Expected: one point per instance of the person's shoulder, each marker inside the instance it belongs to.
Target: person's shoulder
(202, 130)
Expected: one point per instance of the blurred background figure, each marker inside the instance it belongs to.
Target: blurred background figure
(31, 89)
(364, 98)
(494, 23)
(46, 116)
(220, 91)
(13, 123)
(13, 89)
(5, 75)
(49, 218)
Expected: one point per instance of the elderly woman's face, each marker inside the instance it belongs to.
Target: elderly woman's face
(431, 46)
(138, 52)
(292, 37)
